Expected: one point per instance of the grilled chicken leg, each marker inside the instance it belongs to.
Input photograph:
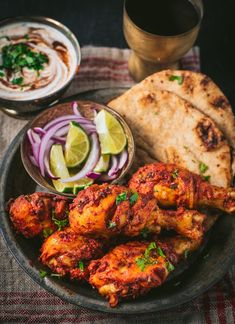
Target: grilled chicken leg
(66, 252)
(174, 186)
(111, 210)
(134, 268)
(32, 215)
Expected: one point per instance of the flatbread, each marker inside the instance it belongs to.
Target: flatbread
(170, 129)
(202, 92)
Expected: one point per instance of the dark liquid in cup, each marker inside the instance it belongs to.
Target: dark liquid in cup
(163, 17)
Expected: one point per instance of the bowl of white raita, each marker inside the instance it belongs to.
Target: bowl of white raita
(39, 58)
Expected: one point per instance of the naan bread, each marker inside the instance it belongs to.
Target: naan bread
(170, 129)
(200, 91)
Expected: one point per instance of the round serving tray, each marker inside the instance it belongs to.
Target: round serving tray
(196, 275)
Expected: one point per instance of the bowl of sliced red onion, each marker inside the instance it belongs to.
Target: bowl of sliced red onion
(49, 132)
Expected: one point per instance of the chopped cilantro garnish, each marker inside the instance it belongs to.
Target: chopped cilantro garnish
(17, 81)
(150, 247)
(145, 232)
(47, 232)
(175, 174)
(133, 198)
(111, 224)
(2, 74)
(121, 197)
(180, 79)
(81, 266)
(59, 223)
(207, 178)
(26, 36)
(203, 167)
(17, 56)
(144, 261)
(42, 273)
(160, 252)
(170, 266)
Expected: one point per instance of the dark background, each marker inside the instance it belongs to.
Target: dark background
(99, 22)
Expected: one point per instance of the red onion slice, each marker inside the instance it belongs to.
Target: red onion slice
(44, 143)
(68, 118)
(114, 165)
(91, 160)
(123, 159)
(75, 109)
(42, 132)
(93, 175)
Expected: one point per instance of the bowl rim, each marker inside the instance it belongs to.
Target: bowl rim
(47, 21)
(127, 130)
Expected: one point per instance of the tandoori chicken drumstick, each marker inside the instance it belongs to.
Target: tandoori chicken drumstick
(38, 213)
(134, 268)
(174, 186)
(66, 252)
(109, 210)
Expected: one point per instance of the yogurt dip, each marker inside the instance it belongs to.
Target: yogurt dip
(36, 60)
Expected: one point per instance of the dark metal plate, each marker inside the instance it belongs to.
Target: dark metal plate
(203, 271)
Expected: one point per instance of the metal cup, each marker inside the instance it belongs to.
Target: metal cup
(151, 52)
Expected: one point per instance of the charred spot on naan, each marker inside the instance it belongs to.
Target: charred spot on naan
(205, 81)
(209, 134)
(220, 102)
(188, 83)
(147, 99)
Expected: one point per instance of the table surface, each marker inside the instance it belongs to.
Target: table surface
(99, 22)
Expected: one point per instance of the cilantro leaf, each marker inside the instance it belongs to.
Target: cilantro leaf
(178, 78)
(111, 224)
(2, 74)
(42, 273)
(203, 167)
(175, 174)
(59, 223)
(145, 261)
(121, 197)
(81, 266)
(150, 247)
(17, 81)
(133, 198)
(141, 263)
(160, 252)
(170, 266)
(47, 232)
(207, 178)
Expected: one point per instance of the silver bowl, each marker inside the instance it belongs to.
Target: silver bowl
(26, 108)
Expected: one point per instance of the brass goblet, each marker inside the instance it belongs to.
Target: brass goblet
(153, 52)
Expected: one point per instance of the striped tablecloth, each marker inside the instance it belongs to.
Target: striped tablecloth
(23, 301)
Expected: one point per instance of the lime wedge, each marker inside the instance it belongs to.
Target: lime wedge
(103, 163)
(59, 169)
(111, 135)
(77, 145)
(81, 184)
